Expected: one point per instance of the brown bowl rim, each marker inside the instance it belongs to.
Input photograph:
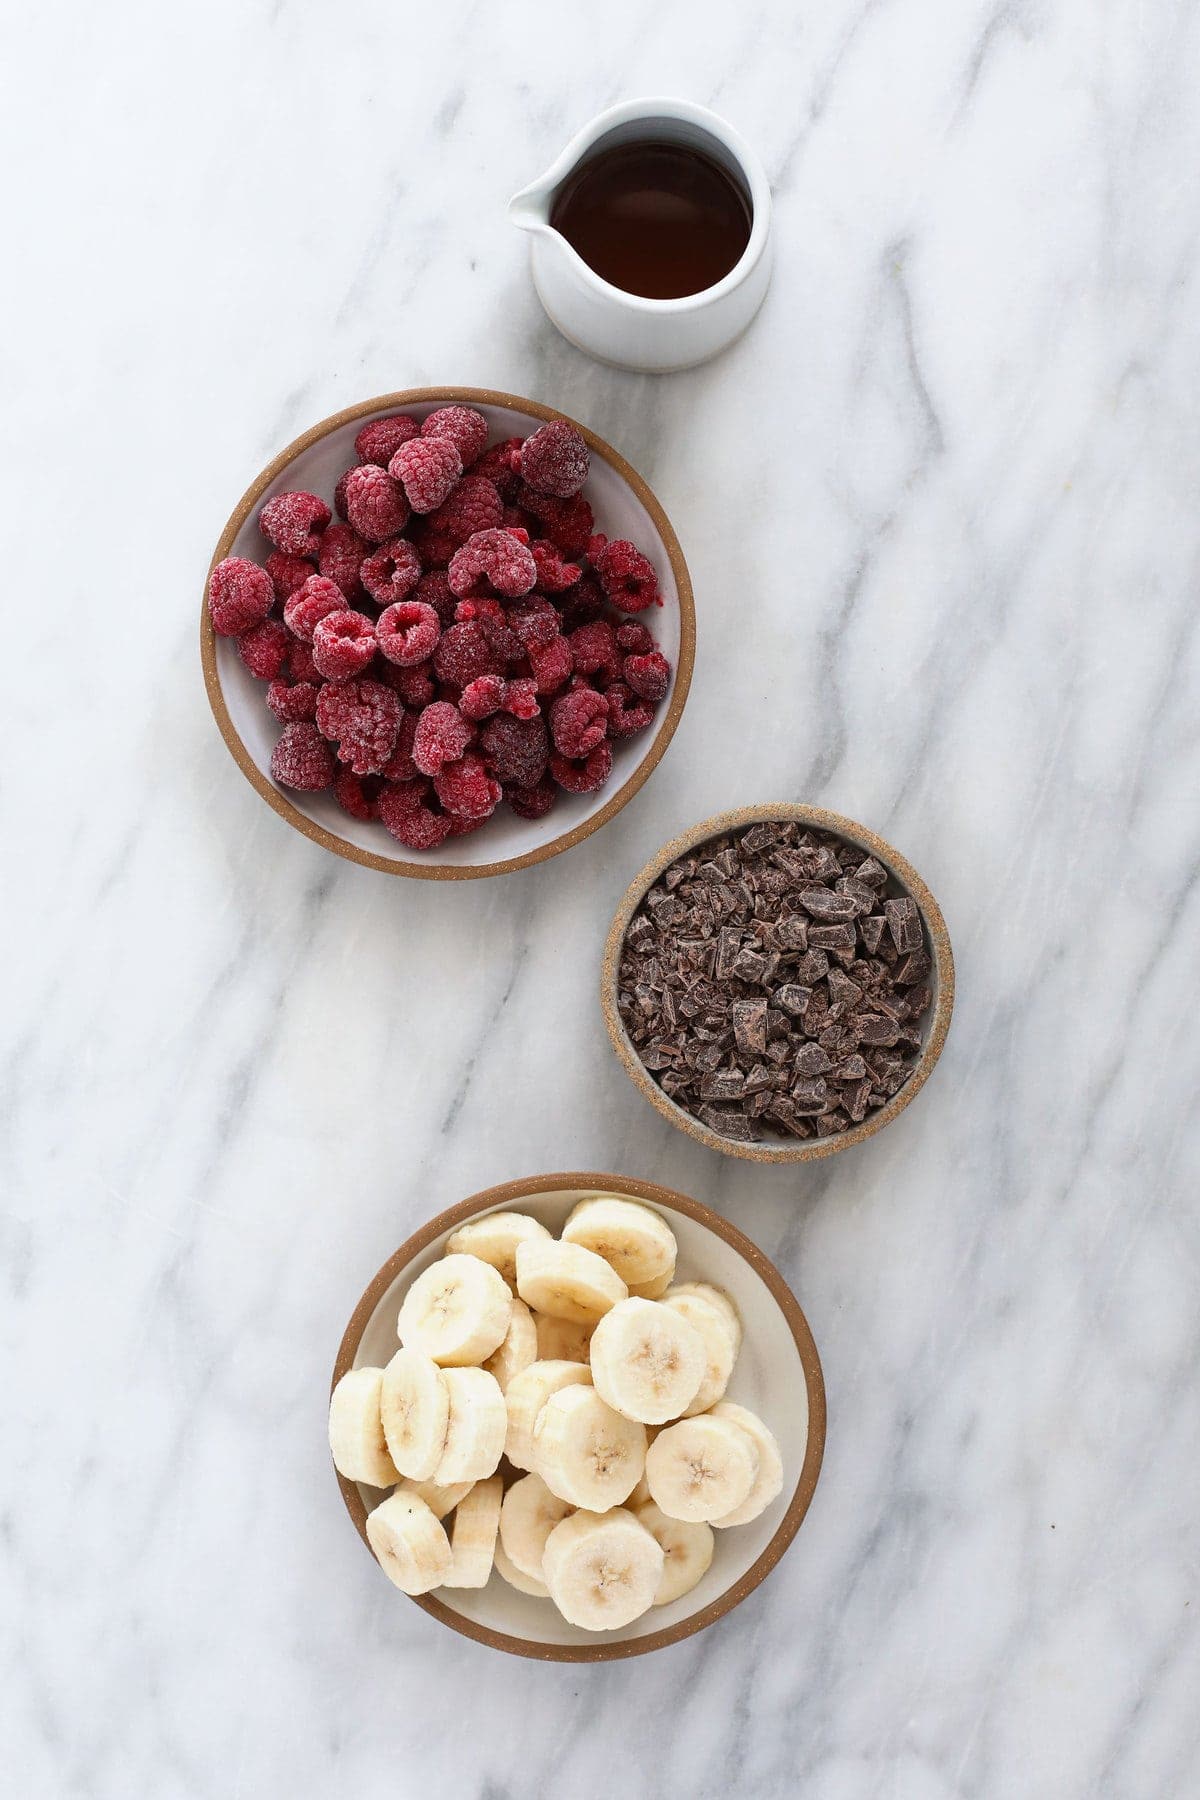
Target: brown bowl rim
(512, 1191)
(808, 1149)
(427, 871)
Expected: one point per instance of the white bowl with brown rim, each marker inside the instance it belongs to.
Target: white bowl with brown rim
(903, 878)
(624, 506)
(777, 1375)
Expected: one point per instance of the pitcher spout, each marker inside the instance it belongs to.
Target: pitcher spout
(530, 209)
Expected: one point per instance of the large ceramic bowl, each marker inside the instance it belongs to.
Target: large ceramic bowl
(777, 1375)
(903, 878)
(624, 507)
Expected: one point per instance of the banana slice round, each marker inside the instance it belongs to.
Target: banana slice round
(562, 1340)
(415, 1407)
(602, 1571)
(494, 1240)
(687, 1551)
(524, 1584)
(701, 1469)
(638, 1243)
(519, 1349)
(711, 1324)
(567, 1281)
(439, 1500)
(475, 1428)
(356, 1439)
(648, 1361)
(704, 1290)
(457, 1312)
(409, 1544)
(528, 1516)
(769, 1480)
(473, 1537)
(525, 1397)
(652, 1290)
(586, 1453)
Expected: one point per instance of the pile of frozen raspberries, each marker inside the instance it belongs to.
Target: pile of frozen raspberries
(456, 637)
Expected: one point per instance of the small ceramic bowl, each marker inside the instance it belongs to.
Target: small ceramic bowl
(778, 1376)
(935, 1024)
(624, 507)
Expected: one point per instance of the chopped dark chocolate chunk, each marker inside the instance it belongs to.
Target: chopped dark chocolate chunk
(871, 931)
(904, 923)
(915, 967)
(749, 1019)
(811, 1060)
(823, 903)
(792, 998)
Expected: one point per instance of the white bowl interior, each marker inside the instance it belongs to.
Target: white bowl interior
(768, 1378)
(619, 513)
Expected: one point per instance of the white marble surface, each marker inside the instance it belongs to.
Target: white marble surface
(941, 510)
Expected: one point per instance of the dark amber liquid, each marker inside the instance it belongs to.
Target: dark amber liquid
(660, 220)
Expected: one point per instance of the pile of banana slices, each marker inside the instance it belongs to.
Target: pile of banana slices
(580, 1361)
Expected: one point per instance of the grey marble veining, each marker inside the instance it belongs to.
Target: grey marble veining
(940, 506)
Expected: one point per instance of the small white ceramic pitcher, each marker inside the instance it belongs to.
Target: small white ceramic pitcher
(627, 329)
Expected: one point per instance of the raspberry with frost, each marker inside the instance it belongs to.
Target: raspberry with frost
(441, 737)
(356, 794)
(554, 459)
(343, 644)
(301, 758)
(578, 722)
(339, 495)
(583, 777)
(567, 523)
(466, 789)
(474, 505)
(627, 712)
(434, 590)
(391, 572)
(515, 750)
(379, 440)
(626, 576)
(463, 654)
(466, 429)
(502, 464)
(416, 687)
(288, 572)
(292, 700)
(493, 559)
(649, 676)
(294, 522)
(363, 718)
(482, 697)
(313, 601)
(375, 504)
(551, 664)
(427, 469)
(535, 621)
(634, 639)
(554, 573)
(341, 558)
(594, 649)
(409, 821)
(300, 666)
(239, 596)
(408, 633)
(533, 802)
(400, 765)
(264, 649)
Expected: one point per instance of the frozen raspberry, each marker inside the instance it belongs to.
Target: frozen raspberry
(594, 648)
(554, 459)
(301, 758)
(649, 676)
(460, 827)
(533, 802)
(356, 794)
(634, 639)
(341, 559)
(466, 429)
(502, 464)
(287, 573)
(301, 666)
(493, 622)
(551, 665)
(239, 595)
(515, 750)
(392, 572)
(292, 700)
(435, 548)
(482, 697)
(466, 789)
(363, 717)
(375, 504)
(583, 777)
(567, 523)
(339, 495)
(343, 645)
(554, 574)
(415, 687)
(400, 765)
(579, 721)
(521, 698)
(535, 621)
(627, 713)
(442, 735)
(408, 633)
(427, 469)
(495, 558)
(379, 440)
(264, 649)
(463, 653)
(294, 523)
(314, 601)
(582, 603)
(475, 505)
(434, 590)
(409, 822)
(628, 580)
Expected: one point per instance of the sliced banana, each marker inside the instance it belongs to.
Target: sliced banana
(602, 1571)
(720, 1345)
(524, 1584)
(648, 1361)
(638, 1243)
(494, 1240)
(410, 1546)
(769, 1480)
(528, 1516)
(562, 1340)
(439, 1500)
(475, 1429)
(356, 1439)
(585, 1452)
(457, 1312)
(701, 1468)
(653, 1290)
(415, 1406)
(687, 1551)
(519, 1349)
(473, 1538)
(525, 1397)
(717, 1297)
(567, 1281)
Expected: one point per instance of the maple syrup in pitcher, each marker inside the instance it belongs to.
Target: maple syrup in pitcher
(657, 219)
